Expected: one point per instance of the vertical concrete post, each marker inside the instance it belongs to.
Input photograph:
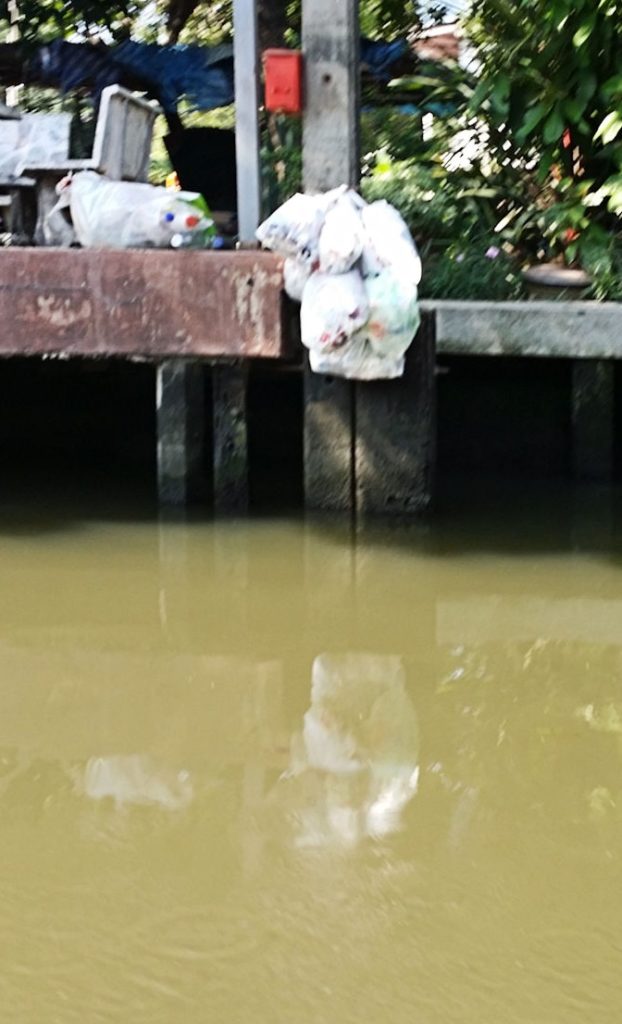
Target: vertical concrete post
(331, 45)
(230, 438)
(396, 434)
(180, 403)
(593, 419)
(246, 57)
(330, 39)
(328, 443)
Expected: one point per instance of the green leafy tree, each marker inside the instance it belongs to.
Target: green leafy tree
(550, 91)
(42, 20)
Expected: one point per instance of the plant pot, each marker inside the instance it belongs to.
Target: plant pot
(552, 281)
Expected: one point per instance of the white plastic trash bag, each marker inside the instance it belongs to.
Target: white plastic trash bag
(296, 273)
(124, 214)
(334, 307)
(377, 351)
(357, 361)
(342, 237)
(388, 242)
(294, 229)
(394, 316)
(356, 269)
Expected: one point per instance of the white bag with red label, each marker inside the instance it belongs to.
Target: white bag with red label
(334, 307)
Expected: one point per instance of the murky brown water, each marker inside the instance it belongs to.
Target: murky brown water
(260, 774)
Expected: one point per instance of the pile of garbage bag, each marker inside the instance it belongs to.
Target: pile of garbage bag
(355, 270)
(127, 214)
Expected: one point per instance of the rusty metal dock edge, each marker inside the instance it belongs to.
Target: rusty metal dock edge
(142, 303)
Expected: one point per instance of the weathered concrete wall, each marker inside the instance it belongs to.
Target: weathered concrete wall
(141, 303)
(565, 330)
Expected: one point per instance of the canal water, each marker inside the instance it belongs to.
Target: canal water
(274, 773)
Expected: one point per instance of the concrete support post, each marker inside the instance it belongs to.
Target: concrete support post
(331, 45)
(593, 419)
(180, 406)
(328, 443)
(395, 448)
(330, 40)
(230, 439)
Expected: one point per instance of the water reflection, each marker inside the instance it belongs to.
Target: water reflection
(242, 760)
(355, 761)
(135, 780)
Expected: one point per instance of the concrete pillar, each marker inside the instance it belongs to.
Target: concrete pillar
(593, 419)
(180, 406)
(331, 157)
(395, 444)
(331, 45)
(328, 443)
(230, 438)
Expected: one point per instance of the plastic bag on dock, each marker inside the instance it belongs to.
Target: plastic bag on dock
(388, 243)
(124, 214)
(334, 307)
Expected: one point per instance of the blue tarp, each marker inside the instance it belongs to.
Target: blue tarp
(379, 57)
(204, 75)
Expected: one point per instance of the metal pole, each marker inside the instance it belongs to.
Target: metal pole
(246, 56)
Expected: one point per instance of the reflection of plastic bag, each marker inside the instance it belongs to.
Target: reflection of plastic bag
(388, 243)
(122, 214)
(334, 306)
(133, 779)
(294, 229)
(360, 739)
(341, 239)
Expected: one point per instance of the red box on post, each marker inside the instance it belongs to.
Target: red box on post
(283, 78)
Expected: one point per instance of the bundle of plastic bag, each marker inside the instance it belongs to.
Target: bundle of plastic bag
(124, 214)
(333, 308)
(355, 269)
(294, 229)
